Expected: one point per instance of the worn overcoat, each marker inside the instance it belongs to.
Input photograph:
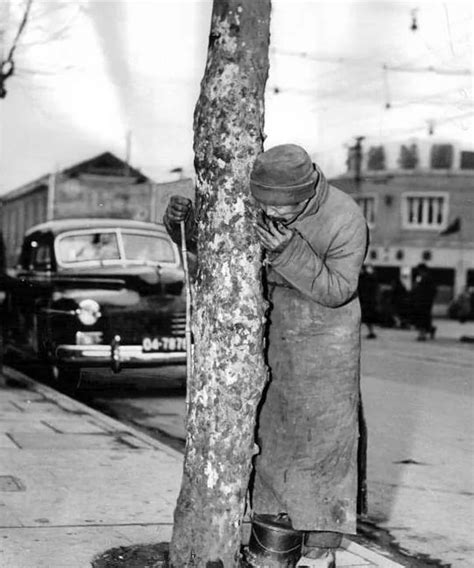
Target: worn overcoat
(308, 423)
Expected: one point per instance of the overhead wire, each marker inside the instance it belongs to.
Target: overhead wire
(360, 93)
(344, 60)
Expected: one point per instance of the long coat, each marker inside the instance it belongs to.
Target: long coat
(308, 424)
(422, 298)
(368, 296)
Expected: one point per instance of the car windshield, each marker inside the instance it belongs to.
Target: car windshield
(150, 248)
(104, 246)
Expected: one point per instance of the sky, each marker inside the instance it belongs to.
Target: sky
(90, 71)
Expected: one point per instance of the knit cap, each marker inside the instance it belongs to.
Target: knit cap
(283, 175)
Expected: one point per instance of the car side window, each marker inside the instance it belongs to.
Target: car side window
(36, 255)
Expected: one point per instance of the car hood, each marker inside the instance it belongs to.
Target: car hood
(143, 279)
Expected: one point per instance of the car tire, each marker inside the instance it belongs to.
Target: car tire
(66, 379)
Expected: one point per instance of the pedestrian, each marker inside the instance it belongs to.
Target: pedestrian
(400, 303)
(368, 295)
(463, 305)
(2, 255)
(315, 238)
(422, 299)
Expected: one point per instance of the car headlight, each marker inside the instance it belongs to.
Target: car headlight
(88, 312)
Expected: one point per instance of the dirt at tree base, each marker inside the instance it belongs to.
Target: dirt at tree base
(140, 556)
(135, 556)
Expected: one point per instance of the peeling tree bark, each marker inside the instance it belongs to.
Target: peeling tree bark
(229, 309)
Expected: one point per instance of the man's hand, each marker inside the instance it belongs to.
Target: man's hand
(274, 236)
(178, 209)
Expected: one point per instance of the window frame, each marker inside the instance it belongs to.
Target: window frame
(366, 196)
(424, 225)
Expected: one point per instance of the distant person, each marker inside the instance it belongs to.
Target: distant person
(422, 299)
(463, 305)
(106, 247)
(368, 295)
(99, 246)
(3, 255)
(400, 303)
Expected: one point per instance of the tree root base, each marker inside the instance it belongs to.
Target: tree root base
(135, 556)
(143, 556)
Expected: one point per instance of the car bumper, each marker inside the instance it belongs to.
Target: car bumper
(115, 357)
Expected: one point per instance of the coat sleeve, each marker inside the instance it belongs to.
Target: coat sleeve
(330, 280)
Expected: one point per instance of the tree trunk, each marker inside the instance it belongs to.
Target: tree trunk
(229, 371)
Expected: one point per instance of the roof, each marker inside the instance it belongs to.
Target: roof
(60, 225)
(102, 164)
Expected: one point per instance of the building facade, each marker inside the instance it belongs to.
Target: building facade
(103, 186)
(418, 199)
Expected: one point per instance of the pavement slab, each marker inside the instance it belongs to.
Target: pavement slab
(83, 486)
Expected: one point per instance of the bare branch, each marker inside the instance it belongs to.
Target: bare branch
(21, 28)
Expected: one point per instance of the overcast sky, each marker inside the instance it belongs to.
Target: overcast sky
(90, 71)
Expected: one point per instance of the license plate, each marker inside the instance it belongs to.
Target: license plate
(152, 344)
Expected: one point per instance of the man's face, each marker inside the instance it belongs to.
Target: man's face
(284, 214)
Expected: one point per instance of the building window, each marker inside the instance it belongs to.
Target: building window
(367, 204)
(441, 156)
(467, 160)
(408, 159)
(376, 158)
(425, 210)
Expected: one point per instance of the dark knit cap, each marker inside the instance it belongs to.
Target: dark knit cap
(283, 175)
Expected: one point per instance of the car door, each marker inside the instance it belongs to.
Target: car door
(30, 290)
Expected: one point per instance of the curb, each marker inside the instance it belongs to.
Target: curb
(65, 402)
(377, 558)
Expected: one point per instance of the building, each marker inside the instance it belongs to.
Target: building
(418, 199)
(103, 186)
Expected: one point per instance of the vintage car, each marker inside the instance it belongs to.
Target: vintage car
(96, 293)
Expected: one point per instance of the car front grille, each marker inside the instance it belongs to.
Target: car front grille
(132, 327)
(178, 324)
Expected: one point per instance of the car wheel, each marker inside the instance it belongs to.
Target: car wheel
(66, 379)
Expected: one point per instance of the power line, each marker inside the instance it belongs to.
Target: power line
(427, 69)
(364, 62)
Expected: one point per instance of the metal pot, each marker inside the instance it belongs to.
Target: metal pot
(274, 543)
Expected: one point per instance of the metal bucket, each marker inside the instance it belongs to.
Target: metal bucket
(274, 543)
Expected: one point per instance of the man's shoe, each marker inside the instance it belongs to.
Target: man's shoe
(371, 336)
(433, 331)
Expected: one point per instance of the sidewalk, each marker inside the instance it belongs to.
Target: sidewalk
(74, 483)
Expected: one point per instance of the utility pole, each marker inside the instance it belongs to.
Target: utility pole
(50, 206)
(128, 151)
(355, 159)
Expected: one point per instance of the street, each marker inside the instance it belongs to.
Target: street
(419, 406)
(419, 409)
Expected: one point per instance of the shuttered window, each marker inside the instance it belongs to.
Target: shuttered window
(367, 204)
(424, 210)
